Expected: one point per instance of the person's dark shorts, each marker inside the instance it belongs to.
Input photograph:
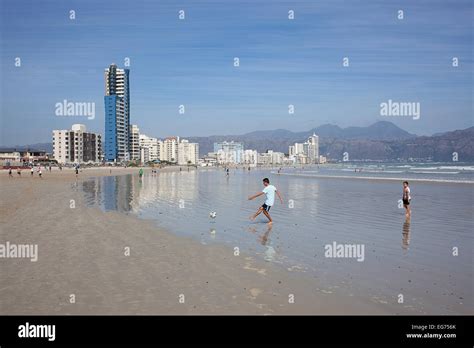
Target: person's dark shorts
(266, 207)
(406, 202)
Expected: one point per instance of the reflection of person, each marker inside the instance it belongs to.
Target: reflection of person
(264, 239)
(406, 234)
(269, 192)
(406, 198)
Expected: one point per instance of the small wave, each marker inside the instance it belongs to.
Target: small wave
(457, 167)
(380, 178)
(428, 172)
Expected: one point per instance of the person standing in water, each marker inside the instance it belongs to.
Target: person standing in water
(406, 198)
(10, 172)
(269, 192)
(140, 173)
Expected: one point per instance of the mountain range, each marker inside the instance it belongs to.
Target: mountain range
(380, 141)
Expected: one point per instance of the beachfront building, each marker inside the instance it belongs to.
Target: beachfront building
(229, 152)
(144, 155)
(77, 145)
(117, 114)
(277, 157)
(250, 157)
(188, 153)
(10, 157)
(305, 153)
(210, 160)
(270, 158)
(134, 143)
(264, 159)
(312, 146)
(169, 151)
(153, 148)
(296, 149)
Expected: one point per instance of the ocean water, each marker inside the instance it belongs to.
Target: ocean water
(427, 259)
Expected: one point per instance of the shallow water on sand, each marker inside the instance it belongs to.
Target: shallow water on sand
(412, 258)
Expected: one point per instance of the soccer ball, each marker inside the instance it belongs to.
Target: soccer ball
(213, 214)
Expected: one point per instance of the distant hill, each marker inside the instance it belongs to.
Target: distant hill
(48, 147)
(280, 139)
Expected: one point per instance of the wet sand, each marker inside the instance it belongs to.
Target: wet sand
(81, 251)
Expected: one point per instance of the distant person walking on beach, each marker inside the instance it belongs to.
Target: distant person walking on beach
(269, 192)
(10, 172)
(77, 171)
(18, 171)
(406, 198)
(32, 171)
(40, 173)
(140, 173)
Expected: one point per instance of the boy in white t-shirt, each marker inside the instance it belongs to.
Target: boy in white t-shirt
(269, 191)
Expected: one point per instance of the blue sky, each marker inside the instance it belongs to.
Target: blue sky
(190, 62)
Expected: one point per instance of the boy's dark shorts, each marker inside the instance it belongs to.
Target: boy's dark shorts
(266, 207)
(406, 202)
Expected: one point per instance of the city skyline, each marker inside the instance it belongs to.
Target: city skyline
(283, 62)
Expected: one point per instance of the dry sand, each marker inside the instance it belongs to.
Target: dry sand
(81, 251)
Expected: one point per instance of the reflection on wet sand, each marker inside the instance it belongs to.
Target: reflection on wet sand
(406, 234)
(130, 193)
(264, 237)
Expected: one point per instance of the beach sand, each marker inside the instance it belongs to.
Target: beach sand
(81, 252)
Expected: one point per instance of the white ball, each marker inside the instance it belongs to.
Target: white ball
(213, 214)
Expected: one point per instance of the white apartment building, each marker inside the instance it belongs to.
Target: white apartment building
(270, 158)
(229, 151)
(313, 148)
(134, 145)
(264, 159)
(153, 146)
(226, 157)
(144, 155)
(277, 157)
(250, 157)
(77, 145)
(188, 153)
(169, 151)
(306, 153)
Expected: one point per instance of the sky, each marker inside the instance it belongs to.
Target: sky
(190, 62)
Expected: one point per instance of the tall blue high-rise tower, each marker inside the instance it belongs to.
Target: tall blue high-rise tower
(117, 114)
